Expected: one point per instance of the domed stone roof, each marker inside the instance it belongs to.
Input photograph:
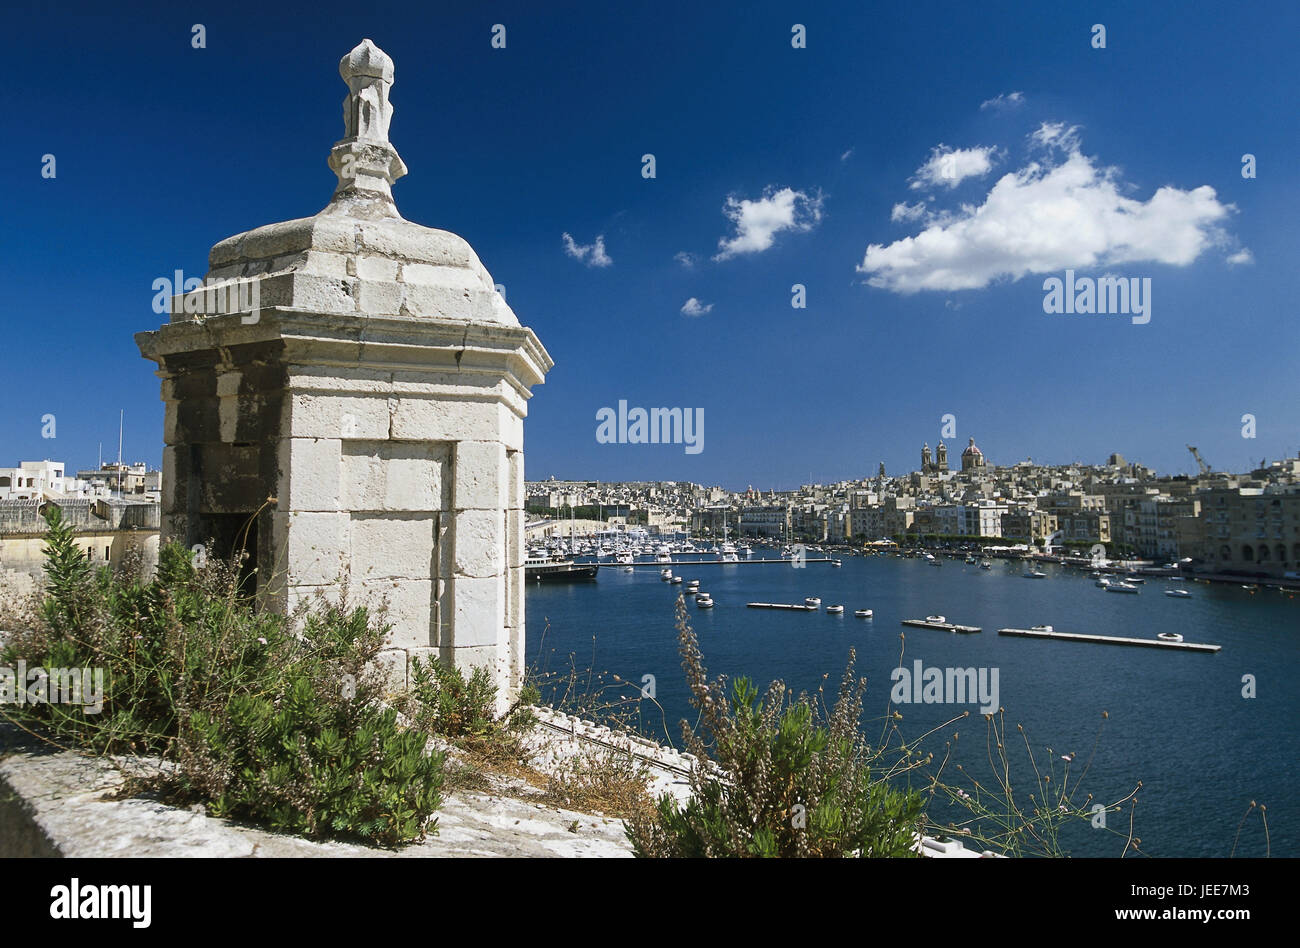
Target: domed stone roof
(359, 255)
(971, 450)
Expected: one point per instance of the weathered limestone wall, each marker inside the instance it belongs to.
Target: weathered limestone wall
(360, 416)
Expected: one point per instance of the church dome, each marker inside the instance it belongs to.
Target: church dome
(972, 451)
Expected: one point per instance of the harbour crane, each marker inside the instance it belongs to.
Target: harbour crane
(1205, 468)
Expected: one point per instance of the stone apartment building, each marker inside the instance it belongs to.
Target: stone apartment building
(108, 530)
(1250, 531)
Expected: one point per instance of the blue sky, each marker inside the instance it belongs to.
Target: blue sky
(775, 166)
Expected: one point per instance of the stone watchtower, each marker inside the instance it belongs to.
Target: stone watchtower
(346, 395)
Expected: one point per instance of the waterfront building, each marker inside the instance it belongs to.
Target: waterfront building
(1027, 525)
(982, 519)
(1250, 531)
(764, 520)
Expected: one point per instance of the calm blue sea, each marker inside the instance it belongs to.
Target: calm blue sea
(1177, 721)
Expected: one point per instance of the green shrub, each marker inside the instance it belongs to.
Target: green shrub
(776, 777)
(256, 721)
(307, 767)
(444, 702)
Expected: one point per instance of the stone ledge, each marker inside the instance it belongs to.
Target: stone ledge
(61, 804)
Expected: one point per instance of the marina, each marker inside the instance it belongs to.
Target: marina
(625, 623)
(749, 562)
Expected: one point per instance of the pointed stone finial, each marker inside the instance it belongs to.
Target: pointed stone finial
(364, 160)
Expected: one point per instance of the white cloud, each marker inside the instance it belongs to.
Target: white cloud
(693, 307)
(950, 166)
(1242, 256)
(1065, 212)
(758, 222)
(847, 155)
(1010, 100)
(593, 255)
(1056, 135)
(686, 259)
(908, 212)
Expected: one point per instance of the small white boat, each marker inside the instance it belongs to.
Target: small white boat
(730, 558)
(936, 618)
(666, 575)
(663, 557)
(1103, 582)
(704, 601)
(835, 610)
(862, 613)
(1034, 574)
(1134, 579)
(1040, 628)
(1178, 593)
(676, 580)
(836, 563)
(813, 601)
(628, 569)
(1121, 588)
(693, 584)
(1169, 636)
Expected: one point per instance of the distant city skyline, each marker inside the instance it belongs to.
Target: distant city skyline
(891, 472)
(913, 180)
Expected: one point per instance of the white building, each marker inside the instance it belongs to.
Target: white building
(982, 520)
(31, 480)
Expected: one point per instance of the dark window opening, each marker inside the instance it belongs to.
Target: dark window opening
(231, 533)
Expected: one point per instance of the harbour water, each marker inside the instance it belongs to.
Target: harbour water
(1176, 721)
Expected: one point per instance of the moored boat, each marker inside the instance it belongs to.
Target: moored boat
(835, 610)
(547, 570)
(862, 613)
